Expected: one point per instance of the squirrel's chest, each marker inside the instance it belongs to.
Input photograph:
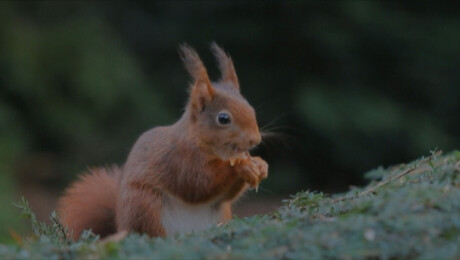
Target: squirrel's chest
(180, 217)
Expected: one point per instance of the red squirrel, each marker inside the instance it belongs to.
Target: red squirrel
(178, 178)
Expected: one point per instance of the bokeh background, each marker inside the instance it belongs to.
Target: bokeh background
(347, 86)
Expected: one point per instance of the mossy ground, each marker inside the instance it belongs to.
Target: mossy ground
(406, 211)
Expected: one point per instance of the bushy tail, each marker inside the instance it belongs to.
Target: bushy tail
(89, 203)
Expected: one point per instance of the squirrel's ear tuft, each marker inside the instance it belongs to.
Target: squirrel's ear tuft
(225, 65)
(193, 63)
(202, 90)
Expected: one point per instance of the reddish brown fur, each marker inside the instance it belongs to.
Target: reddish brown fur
(90, 202)
(187, 160)
(226, 209)
(225, 65)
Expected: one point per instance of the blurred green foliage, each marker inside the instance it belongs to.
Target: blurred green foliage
(409, 211)
(349, 85)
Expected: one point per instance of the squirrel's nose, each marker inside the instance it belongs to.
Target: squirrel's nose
(254, 139)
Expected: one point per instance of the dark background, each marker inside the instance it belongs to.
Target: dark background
(347, 86)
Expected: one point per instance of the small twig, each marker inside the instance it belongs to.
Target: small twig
(383, 183)
(291, 202)
(64, 232)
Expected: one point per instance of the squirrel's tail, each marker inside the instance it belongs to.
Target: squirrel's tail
(89, 203)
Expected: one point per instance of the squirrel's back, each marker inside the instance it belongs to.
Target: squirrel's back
(90, 202)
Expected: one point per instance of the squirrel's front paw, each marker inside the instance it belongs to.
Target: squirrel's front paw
(248, 171)
(252, 170)
(262, 165)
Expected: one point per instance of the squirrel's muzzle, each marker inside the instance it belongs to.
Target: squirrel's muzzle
(254, 139)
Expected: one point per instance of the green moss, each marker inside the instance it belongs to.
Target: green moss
(412, 211)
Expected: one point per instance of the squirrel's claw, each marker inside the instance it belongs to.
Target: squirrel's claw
(238, 158)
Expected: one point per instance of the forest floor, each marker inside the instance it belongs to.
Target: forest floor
(407, 211)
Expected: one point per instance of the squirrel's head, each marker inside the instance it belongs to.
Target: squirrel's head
(222, 120)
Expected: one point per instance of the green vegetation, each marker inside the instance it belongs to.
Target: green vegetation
(409, 211)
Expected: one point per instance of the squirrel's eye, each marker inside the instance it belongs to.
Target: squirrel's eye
(223, 118)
